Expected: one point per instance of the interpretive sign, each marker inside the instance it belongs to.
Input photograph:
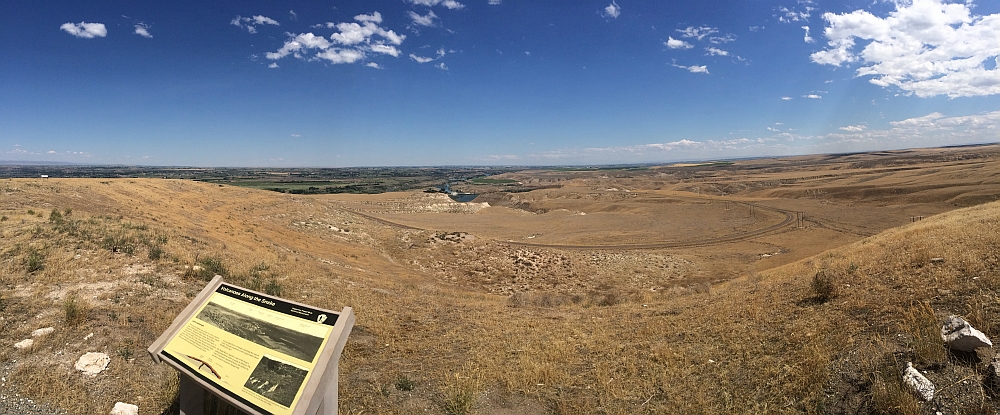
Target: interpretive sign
(263, 354)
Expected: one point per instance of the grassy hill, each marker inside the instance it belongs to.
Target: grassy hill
(825, 334)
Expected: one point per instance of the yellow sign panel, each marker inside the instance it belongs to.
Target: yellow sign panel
(259, 350)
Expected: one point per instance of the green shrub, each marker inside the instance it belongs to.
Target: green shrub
(404, 383)
(155, 252)
(56, 217)
(35, 261)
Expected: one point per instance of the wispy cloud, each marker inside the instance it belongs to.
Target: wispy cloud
(716, 52)
(441, 66)
(85, 30)
(273, 65)
(677, 44)
(426, 20)
(142, 29)
(812, 96)
(923, 47)
(697, 32)
(798, 13)
(421, 59)
(807, 38)
(251, 23)
(451, 4)
(934, 129)
(693, 68)
(494, 2)
(613, 10)
(786, 98)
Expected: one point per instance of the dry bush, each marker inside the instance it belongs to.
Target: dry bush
(459, 394)
(824, 286)
(75, 310)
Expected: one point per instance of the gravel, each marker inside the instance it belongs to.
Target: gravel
(12, 403)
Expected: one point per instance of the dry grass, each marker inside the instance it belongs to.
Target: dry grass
(751, 345)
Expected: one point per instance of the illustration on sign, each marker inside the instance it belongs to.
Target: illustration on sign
(259, 350)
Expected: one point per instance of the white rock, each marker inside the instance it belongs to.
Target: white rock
(93, 363)
(24, 344)
(918, 383)
(122, 408)
(959, 335)
(87, 337)
(42, 332)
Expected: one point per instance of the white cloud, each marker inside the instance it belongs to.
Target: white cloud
(716, 52)
(336, 56)
(924, 47)
(451, 4)
(812, 96)
(807, 38)
(292, 15)
(697, 32)
(756, 28)
(374, 17)
(693, 68)
(427, 20)
(613, 10)
(51, 152)
(930, 130)
(494, 2)
(787, 98)
(273, 65)
(350, 43)
(142, 29)
(85, 30)
(441, 66)
(386, 49)
(421, 59)
(677, 44)
(729, 37)
(787, 15)
(251, 23)
(296, 135)
(373, 65)
(854, 128)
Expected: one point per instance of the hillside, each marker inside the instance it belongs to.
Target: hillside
(619, 331)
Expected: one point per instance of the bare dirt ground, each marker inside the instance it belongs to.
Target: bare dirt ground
(605, 291)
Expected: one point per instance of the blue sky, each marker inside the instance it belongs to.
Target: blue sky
(490, 82)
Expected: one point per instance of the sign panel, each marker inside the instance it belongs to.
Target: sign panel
(259, 350)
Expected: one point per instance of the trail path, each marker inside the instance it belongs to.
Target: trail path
(787, 220)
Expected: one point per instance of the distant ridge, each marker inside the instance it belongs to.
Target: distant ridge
(36, 163)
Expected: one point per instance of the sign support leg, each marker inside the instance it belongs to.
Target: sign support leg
(192, 397)
(329, 404)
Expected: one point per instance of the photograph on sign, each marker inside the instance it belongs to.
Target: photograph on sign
(276, 380)
(259, 350)
(285, 340)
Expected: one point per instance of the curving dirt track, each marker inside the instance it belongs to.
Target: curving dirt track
(789, 218)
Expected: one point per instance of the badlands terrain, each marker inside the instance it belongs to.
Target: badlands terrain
(790, 285)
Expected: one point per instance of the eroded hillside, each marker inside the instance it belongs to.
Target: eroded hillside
(455, 316)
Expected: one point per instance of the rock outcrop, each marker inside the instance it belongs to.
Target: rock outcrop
(959, 335)
(918, 383)
(93, 363)
(122, 408)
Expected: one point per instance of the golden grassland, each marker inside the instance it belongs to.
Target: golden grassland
(438, 332)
